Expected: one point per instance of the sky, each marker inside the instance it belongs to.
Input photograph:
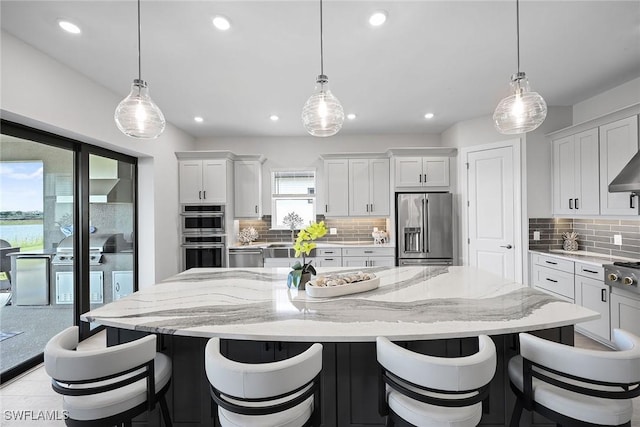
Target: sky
(21, 186)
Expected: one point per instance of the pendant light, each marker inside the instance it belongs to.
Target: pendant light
(322, 114)
(137, 115)
(524, 110)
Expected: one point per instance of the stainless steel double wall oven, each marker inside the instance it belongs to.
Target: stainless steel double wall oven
(203, 239)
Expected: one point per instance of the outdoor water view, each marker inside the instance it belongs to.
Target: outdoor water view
(21, 204)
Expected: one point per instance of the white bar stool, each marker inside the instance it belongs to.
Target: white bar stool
(421, 390)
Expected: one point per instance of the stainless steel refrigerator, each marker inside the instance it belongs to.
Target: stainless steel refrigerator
(424, 234)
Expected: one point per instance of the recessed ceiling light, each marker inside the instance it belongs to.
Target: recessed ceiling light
(274, 118)
(69, 27)
(221, 23)
(198, 119)
(378, 18)
(429, 116)
(351, 116)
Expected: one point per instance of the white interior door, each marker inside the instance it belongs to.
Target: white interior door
(491, 196)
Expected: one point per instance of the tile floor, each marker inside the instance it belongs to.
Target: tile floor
(31, 393)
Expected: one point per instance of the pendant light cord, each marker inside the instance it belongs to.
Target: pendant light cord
(518, 32)
(139, 54)
(321, 43)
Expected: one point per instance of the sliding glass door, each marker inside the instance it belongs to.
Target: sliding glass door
(67, 238)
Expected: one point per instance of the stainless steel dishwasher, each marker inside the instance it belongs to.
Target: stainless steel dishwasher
(246, 257)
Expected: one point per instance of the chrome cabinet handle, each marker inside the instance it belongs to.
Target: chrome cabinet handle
(508, 246)
(576, 204)
(200, 194)
(631, 196)
(326, 208)
(425, 178)
(551, 280)
(420, 177)
(367, 207)
(570, 203)
(371, 207)
(256, 208)
(604, 295)
(204, 194)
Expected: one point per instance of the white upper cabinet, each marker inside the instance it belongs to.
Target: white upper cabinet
(618, 143)
(336, 188)
(422, 171)
(369, 190)
(203, 181)
(575, 172)
(247, 189)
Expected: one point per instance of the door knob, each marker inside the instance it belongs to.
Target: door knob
(508, 246)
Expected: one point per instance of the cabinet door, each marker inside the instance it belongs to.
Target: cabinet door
(355, 261)
(336, 188)
(380, 188)
(594, 294)
(435, 171)
(96, 287)
(618, 143)
(409, 172)
(190, 172)
(587, 178)
(214, 181)
(564, 175)
(625, 313)
(64, 287)
(359, 187)
(329, 261)
(121, 283)
(247, 186)
(558, 283)
(382, 262)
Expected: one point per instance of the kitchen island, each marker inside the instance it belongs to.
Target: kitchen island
(432, 309)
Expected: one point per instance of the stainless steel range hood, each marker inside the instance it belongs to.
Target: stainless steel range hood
(629, 177)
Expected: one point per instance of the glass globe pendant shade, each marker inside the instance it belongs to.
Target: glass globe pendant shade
(522, 111)
(322, 114)
(137, 115)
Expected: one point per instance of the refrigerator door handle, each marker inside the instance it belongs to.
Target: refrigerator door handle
(427, 236)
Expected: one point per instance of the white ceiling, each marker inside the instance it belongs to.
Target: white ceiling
(452, 58)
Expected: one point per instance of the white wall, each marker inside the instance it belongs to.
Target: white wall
(41, 92)
(305, 152)
(607, 102)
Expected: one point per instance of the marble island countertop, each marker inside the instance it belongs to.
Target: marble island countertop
(583, 256)
(411, 303)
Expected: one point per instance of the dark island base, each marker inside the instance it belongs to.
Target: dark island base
(349, 376)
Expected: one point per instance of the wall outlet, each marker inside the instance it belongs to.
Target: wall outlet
(536, 235)
(333, 230)
(617, 239)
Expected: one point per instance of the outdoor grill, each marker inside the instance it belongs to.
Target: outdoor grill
(98, 244)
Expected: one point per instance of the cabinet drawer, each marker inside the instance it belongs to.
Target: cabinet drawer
(557, 282)
(329, 252)
(329, 261)
(589, 270)
(555, 263)
(368, 252)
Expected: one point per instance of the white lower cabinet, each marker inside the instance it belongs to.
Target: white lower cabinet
(64, 287)
(594, 295)
(121, 284)
(580, 283)
(555, 282)
(368, 257)
(625, 311)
